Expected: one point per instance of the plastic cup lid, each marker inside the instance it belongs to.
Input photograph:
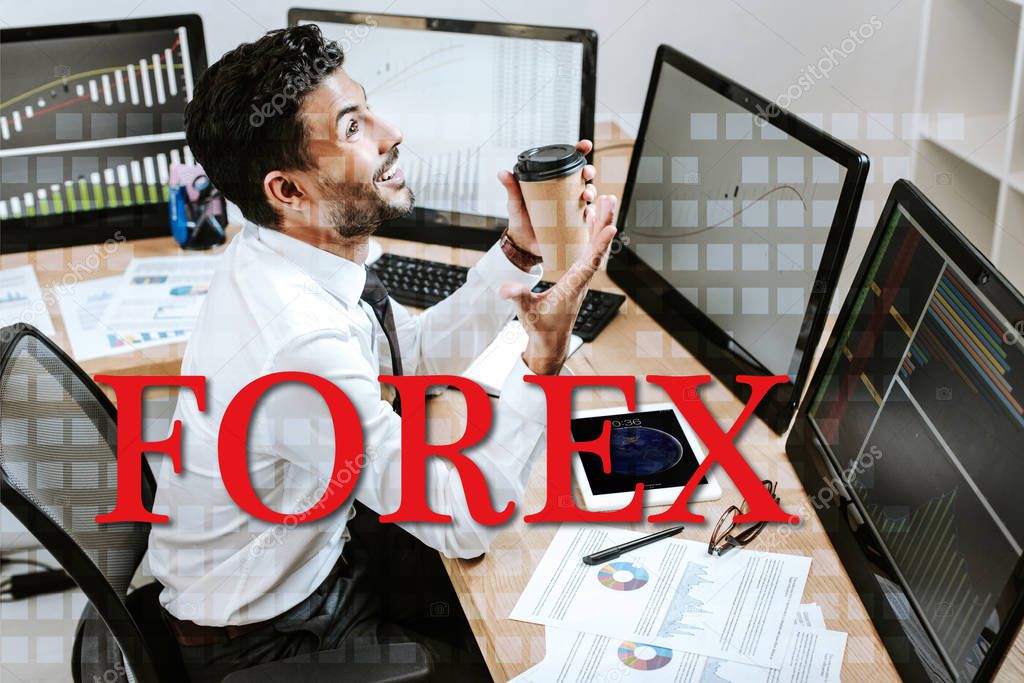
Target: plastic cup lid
(548, 162)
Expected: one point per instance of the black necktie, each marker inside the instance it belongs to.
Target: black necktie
(376, 294)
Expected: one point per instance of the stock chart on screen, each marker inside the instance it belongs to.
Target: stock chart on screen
(90, 122)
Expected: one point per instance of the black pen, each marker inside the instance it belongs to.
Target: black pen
(616, 550)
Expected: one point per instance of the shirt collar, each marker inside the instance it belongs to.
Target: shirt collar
(344, 279)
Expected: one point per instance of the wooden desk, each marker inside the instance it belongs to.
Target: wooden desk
(632, 344)
(488, 588)
(59, 269)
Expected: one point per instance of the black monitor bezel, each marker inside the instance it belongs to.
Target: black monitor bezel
(843, 517)
(681, 318)
(90, 227)
(450, 228)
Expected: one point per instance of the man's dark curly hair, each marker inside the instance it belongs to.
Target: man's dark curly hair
(242, 121)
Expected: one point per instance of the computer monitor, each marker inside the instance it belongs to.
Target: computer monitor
(909, 444)
(469, 96)
(91, 116)
(735, 221)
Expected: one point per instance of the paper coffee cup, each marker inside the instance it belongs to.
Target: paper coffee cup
(551, 179)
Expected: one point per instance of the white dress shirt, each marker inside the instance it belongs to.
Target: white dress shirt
(279, 304)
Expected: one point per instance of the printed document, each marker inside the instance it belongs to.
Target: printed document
(814, 656)
(161, 293)
(82, 307)
(671, 594)
(21, 300)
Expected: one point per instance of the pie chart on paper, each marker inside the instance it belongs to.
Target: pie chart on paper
(623, 576)
(644, 657)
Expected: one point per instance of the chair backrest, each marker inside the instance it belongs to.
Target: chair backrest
(58, 457)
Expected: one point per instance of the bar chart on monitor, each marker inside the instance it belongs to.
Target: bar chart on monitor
(88, 125)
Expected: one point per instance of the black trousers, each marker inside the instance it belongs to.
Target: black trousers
(388, 586)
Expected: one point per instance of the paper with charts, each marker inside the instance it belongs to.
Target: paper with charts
(82, 307)
(814, 655)
(670, 594)
(161, 294)
(21, 300)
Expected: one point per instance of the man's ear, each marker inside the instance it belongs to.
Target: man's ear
(285, 191)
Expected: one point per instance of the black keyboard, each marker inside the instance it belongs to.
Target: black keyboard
(421, 283)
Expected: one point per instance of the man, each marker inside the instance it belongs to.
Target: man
(315, 175)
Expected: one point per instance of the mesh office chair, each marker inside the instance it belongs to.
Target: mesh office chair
(58, 447)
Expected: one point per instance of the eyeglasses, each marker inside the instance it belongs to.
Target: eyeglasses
(723, 539)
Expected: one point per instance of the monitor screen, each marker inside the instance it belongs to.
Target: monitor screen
(91, 119)
(468, 97)
(733, 213)
(918, 404)
(735, 221)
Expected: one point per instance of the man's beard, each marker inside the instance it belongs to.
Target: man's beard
(358, 209)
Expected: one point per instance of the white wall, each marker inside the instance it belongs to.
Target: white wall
(765, 44)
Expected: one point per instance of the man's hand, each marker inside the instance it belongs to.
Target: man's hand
(519, 227)
(548, 317)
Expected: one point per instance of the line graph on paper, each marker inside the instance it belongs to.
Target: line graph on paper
(684, 603)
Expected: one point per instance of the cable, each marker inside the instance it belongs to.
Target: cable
(618, 145)
(18, 560)
(722, 222)
(47, 579)
(21, 586)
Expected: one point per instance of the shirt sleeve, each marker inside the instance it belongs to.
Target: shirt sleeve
(504, 456)
(445, 338)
